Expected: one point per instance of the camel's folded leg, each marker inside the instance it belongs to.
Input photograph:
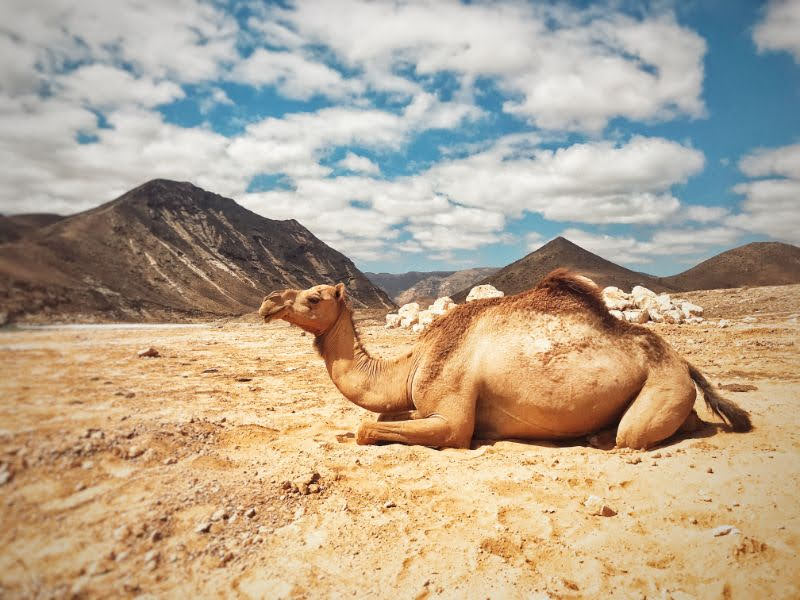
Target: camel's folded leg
(434, 431)
(406, 415)
(662, 406)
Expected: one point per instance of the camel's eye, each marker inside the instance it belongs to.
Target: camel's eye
(313, 300)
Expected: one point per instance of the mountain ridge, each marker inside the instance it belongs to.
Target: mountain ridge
(169, 249)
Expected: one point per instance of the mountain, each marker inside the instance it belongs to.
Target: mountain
(530, 269)
(15, 227)
(168, 250)
(396, 283)
(756, 264)
(435, 285)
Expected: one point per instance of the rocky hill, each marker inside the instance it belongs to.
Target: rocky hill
(435, 285)
(166, 251)
(397, 283)
(756, 264)
(560, 252)
(15, 227)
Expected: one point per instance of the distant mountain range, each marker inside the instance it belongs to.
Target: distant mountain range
(172, 251)
(165, 251)
(760, 263)
(426, 287)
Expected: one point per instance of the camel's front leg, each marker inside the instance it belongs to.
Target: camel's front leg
(436, 431)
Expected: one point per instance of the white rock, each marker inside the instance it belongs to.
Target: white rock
(638, 292)
(694, 320)
(616, 299)
(407, 322)
(480, 292)
(690, 309)
(597, 506)
(673, 316)
(725, 530)
(409, 310)
(442, 305)
(722, 323)
(664, 303)
(426, 317)
(636, 316)
(749, 320)
(418, 328)
(618, 314)
(393, 320)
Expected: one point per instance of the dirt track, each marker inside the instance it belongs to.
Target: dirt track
(115, 463)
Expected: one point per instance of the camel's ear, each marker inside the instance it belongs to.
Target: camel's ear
(340, 292)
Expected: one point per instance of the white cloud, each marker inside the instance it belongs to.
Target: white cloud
(779, 29)
(784, 161)
(770, 205)
(358, 164)
(103, 87)
(294, 75)
(534, 240)
(666, 242)
(596, 182)
(705, 214)
(570, 69)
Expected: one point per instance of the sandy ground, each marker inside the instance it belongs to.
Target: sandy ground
(226, 467)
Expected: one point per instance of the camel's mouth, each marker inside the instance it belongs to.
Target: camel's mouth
(270, 311)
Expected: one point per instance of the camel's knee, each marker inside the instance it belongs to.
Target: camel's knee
(655, 415)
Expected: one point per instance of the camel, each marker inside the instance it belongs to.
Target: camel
(550, 363)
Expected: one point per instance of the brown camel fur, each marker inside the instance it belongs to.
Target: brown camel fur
(550, 363)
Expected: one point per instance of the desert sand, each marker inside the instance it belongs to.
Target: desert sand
(226, 467)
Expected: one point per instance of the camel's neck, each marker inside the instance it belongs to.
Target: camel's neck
(375, 384)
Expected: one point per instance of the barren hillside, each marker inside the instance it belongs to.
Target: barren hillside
(167, 250)
(527, 271)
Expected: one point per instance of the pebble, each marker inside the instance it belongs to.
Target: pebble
(634, 461)
(155, 536)
(709, 470)
(122, 532)
(220, 514)
(152, 556)
(80, 487)
(725, 530)
(135, 451)
(170, 461)
(597, 506)
(203, 527)
(251, 512)
(149, 352)
(389, 504)
(122, 555)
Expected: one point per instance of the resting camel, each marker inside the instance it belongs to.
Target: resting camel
(547, 364)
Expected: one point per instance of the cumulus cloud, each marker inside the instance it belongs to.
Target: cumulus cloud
(770, 205)
(778, 31)
(567, 68)
(665, 242)
(358, 164)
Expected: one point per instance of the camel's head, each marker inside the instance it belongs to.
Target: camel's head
(313, 310)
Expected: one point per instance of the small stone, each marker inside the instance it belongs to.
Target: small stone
(170, 461)
(135, 451)
(725, 530)
(203, 527)
(251, 512)
(120, 556)
(122, 532)
(723, 323)
(313, 488)
(656, 455)
(389, 504)
(80, 487)
(635, 460)
(152, 555)
(709, 470)
(149, 454)
(596, 506)
(220, 514)
(5, 474)
(226, 558)
(149, 352)
(155, 536)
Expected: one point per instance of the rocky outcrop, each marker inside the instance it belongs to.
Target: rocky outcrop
(643, 305)
(409, 316)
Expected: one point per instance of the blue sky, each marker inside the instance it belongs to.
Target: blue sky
(421, 135)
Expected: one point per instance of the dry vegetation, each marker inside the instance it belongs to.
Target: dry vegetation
(226, 467)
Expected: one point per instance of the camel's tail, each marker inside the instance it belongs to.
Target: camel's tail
(726, 410)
